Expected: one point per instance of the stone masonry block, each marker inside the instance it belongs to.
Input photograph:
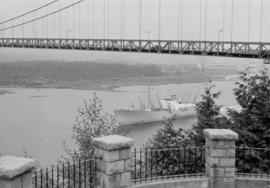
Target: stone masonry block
(210, 161)
(222, 153)
(229, 172)
(21, 181)
(217, 153)
(121, 180)
(10, 166)
(110, 168)
(223, 144)
(230, 153)
(216, 172)
(220, 157)
(216, 144)
(208, 142)
(99, 153)
(113, 142)
(125, 179)
(127, 164)
(112, 155)
(220, 134)
(125, 153)
(226, 162)
(111, 181)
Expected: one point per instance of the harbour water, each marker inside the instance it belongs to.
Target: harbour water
(39, 120)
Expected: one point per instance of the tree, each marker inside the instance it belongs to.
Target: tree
(253, 121)
(208, 115)
(169, 153)
(91, 122)
(168, 136)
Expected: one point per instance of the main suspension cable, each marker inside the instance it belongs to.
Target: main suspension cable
(41, 17)
(34, 10)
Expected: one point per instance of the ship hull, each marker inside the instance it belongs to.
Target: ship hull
(126, 116)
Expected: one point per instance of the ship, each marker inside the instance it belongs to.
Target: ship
(146, 113)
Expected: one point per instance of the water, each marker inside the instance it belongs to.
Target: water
(38, 121)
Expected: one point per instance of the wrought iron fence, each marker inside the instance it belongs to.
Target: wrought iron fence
(75, 174)
(158, 164)
(253, 162)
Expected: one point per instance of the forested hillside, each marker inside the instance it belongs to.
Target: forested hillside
(38, 73)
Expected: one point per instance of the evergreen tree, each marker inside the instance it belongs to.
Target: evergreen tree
(253, 121)
(169, 154)
(208, 115)
(168, 136)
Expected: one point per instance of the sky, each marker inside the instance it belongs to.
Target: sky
(89, 20)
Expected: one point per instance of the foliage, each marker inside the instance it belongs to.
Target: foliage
(37, 73)
(253, 121)
(168, 153)
(168, 136)
(208, 115)
(91, 122)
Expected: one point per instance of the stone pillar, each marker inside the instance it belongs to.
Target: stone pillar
(16, 172)
(113, 161)
(220, 157)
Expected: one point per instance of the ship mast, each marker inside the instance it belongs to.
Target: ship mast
(151, 105)
(142, 104)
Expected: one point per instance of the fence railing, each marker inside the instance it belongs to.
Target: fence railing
(75, 174)
(253, 162)
(158, 164)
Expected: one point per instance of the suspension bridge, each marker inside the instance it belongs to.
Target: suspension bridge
(89, 25)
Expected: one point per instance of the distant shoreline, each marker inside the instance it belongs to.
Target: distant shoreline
(109, 85)
(103, 76)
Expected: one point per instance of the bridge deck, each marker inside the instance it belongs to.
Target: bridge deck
(215, 48)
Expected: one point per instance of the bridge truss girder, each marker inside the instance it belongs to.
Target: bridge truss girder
(214, 48)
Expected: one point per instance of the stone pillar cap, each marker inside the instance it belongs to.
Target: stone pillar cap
(220, 134)
(11, 167)
(113, 142)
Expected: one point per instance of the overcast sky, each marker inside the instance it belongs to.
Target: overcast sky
(84, 27)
